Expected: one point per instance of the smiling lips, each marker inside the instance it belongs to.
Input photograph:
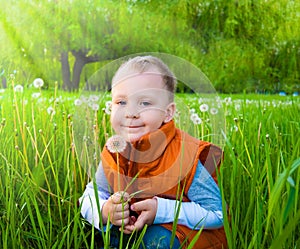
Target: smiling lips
(133, 126)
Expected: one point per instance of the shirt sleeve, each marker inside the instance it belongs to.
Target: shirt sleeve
(204, 210)
(90, 210)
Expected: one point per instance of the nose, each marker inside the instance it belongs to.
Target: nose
(132, 115)
(132, 112)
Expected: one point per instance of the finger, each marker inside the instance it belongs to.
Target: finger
(140, 223)
(132, 220)
(120, 197)
(128, 229)
(139, 206)
(122, 207)
(120, 221)
(121, 215)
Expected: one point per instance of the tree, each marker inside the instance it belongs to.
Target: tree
(233, 42)
(75, 34)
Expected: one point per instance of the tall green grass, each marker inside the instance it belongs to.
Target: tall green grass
(42, 178)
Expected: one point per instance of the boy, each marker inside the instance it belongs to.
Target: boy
(152, 173)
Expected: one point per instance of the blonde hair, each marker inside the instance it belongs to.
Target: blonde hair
(151, 64)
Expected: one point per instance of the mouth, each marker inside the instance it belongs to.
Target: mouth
(133, 126)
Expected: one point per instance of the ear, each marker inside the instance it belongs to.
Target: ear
(170, 112)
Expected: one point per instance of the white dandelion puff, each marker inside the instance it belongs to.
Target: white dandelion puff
(235, 128)
(116, 144)
(237, 107)
(194, 116)
(50, 110)
(18, 88)
(108, 104)
(200, 100)
(94, 106)
(197, 121)
(192, 111)
(203, 108)
(35, 95)
(38, 83)
(228, 100)
(84, 99)
(58, 100)
(77, 102)
(214, 111)
(107, 110)
(93, 98)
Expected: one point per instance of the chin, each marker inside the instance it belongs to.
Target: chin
(133, 138)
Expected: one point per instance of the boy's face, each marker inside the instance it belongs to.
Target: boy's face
(140, 104)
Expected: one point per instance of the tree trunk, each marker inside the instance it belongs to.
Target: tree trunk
(77, 69)
(65, 69)
(80, 60)
(4, 82)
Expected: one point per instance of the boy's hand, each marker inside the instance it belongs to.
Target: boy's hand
(117, 209)
(147, 210)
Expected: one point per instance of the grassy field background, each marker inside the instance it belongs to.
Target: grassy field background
(42, 177)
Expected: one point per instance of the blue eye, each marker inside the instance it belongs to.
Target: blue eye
(145, 103)
(121, 102)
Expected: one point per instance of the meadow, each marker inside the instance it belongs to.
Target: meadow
(42, 175)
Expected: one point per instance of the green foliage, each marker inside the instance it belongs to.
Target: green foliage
(236, 43)
(42, 175)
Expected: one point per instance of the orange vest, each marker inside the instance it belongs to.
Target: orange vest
(163, 163)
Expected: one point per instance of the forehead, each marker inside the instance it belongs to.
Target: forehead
(142, 82)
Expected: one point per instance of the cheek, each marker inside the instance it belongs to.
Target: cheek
(155, 119)
(114, 119)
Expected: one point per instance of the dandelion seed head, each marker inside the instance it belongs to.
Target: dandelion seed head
(116, 144)
(38, 83)
(107, 108)
(228, 100)
(77, 102)
(35, 95)
(95, 107)
(214, 111)
(58, 100)
(237, 107)
(192, 110)
(107, 111)
(197, 121)
(50, 110)
(18, 88)
(194, 116)
(203, 108)
(200, 100)
(235, 128)
(108, 104)
(84, 99)
(93, 98)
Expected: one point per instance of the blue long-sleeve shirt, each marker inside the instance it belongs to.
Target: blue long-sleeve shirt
(203, 210)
